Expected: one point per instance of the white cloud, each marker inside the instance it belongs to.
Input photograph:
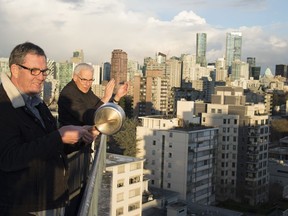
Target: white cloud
(99, 26)
(189, 18)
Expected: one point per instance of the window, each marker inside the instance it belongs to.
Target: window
(224, 121)
(134, 192)
(135, 166)
(168, 185)
(219, 111)
(121, 169)
(120, 183)
(168, 175)
(134, 179)
(133, 206)
(169, 165)
(170, 145)
(154, 142)
(235, 121)
(120, 197)
(170, 155)
(170, 134)
(119, 211)
(203, 119)
(212, 110)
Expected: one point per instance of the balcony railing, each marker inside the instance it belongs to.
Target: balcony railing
(79, 164)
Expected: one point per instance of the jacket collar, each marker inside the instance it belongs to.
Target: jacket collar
(13, 93)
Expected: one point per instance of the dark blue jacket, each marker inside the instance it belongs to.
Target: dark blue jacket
(33, 174)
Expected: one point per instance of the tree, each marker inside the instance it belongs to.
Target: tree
(126, 137)
(279, 129)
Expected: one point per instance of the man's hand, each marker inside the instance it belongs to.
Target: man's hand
(122, 91)
(93, 130)
(108, 91)
(72, 134)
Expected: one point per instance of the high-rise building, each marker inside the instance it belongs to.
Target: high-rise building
(233, 48)
(242, 155)
(251, 61)
(150, 93)
(106, 68)
(188, 67)
(97, 75)
(221, 71)
(64, 71)
(201, 41)
(239, 70)
(119, 62)
(254, 71)
(78, 57)
(179, 159)
(281, 70)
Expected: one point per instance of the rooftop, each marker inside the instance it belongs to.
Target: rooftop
(115, 159)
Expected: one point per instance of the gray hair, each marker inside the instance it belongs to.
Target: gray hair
(83, 66)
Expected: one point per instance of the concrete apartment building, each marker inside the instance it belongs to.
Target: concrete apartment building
(123, 186)
(242, 154)
(179, 159)
(150, 94)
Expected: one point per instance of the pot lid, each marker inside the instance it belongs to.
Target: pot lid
(109, 118)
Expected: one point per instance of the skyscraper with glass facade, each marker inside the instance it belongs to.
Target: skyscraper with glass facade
(201, 39)
(233, 48)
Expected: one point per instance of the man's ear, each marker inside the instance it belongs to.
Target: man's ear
(14, 70)
(74, 77)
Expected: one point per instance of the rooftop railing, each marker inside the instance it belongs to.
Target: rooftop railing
(86, 171)
(89, 202)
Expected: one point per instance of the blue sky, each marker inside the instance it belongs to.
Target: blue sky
(144, 27)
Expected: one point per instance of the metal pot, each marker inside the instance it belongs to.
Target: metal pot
(109, 118)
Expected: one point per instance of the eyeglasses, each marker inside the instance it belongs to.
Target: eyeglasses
(36, 71)
(85, 80)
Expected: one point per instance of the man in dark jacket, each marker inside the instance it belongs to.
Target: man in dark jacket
(33, 167)
(77, 105)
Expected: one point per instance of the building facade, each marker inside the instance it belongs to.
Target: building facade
(201, 46)
(123, 186)
(179, 159)
(233, 47)
(119, 61)
(242, 154)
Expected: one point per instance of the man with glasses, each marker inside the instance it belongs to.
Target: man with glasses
(77, 105)
(33, 166)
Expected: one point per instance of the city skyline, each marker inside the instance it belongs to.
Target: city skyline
(143, 28)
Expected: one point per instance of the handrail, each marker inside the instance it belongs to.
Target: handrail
(89, 202)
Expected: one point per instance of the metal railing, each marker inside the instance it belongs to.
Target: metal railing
(86, 171)
(89, 202)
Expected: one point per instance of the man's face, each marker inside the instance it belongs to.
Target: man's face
(24, 80)
(84, 80)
